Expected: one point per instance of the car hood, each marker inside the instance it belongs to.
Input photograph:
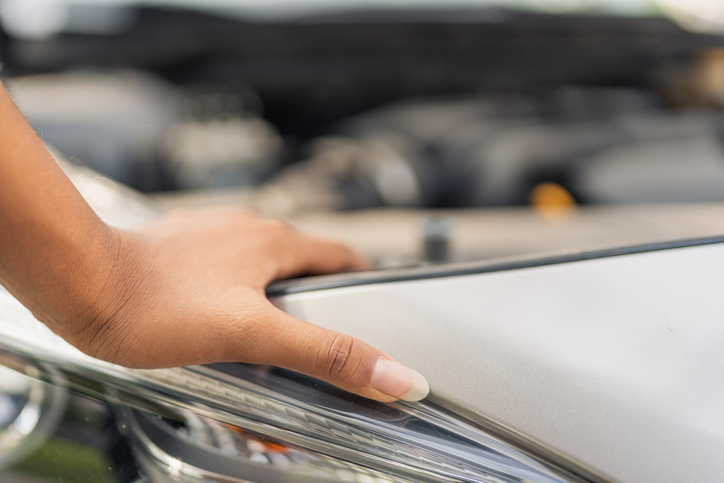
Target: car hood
(610, 363)
(614, 364)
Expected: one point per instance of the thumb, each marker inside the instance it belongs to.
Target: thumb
(338, 359)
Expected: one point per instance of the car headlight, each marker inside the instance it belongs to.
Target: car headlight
(236, 422)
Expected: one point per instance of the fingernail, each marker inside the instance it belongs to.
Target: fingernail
(396, 380)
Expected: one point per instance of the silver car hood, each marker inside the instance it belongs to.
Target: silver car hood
(612, 364)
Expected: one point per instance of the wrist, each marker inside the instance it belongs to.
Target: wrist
(113, 276)
(88, 287)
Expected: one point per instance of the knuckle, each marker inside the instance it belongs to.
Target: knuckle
(338, 358)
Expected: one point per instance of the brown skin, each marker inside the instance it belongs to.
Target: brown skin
(187, 290)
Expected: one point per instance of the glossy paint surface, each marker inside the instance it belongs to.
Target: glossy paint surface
(614, 364)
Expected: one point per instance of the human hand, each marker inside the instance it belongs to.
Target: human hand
(190, 290)
(187, 290)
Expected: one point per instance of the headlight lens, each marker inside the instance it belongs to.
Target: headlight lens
(234, 422)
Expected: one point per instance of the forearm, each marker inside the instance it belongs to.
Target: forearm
(55, 253)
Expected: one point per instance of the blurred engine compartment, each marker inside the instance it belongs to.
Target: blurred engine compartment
(429, 108)
(600, 144)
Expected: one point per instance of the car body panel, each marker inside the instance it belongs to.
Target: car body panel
(616, 362)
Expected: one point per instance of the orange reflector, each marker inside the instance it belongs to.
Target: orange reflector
(552, 201)
(268, 445)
